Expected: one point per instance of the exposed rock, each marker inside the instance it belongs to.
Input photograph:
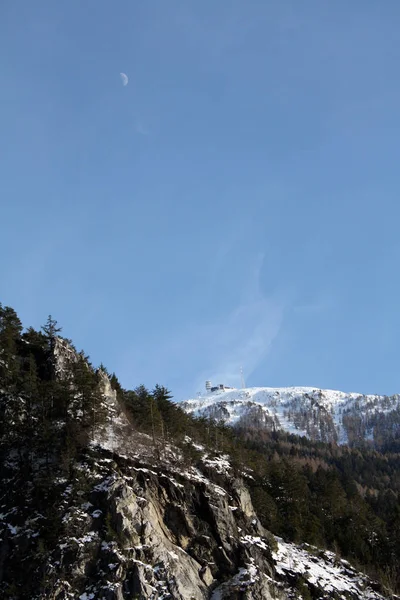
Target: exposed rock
(65, 355)
(147, 535)
(132, 522)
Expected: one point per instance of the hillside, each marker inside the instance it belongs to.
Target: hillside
(320, 415)
(113, 494)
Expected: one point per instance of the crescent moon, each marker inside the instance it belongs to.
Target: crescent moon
(124, 79)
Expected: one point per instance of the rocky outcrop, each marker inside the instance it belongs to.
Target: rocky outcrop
(65, 355)
(131, 517)
(134, 529)
(162, 532)
(149, 533)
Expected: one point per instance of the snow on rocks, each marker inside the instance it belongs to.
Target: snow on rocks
(246, 578)
(86, 596)
(219, 463)
(322, 570)
(249, 540)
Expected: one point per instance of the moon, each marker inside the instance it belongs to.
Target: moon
(124, 79)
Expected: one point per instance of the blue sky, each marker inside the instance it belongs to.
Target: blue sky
(237, 203)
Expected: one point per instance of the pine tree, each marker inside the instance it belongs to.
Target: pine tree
(167, 413)
(50, 330)
(86, 386)
(10, 336)
(29, 397)
(139, 408)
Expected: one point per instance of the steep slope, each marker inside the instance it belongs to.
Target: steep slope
(141, 531)
(91, 507)
(323, 415)
(142, 524)
(134, 520)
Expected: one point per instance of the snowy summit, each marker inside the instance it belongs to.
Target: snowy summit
(324, 415)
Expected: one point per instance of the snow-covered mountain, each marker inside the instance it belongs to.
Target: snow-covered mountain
(324, 415)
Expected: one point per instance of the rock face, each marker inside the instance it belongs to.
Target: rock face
(64, 355)
(136, 530)
(145, 532)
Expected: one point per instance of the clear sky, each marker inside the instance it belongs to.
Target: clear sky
(237, 203)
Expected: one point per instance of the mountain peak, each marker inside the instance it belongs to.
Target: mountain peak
(321, 415)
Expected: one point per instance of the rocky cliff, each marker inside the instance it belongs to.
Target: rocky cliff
(134, 529)
(141, 531)
(131, 516)
(137, 522)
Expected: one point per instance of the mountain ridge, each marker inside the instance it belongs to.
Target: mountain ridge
(321, 415)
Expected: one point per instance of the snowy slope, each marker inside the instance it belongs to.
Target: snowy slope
(325, 415)
(322, 570)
